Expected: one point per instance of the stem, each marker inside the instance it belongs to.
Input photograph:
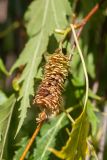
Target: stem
(83, 63)
(31, 140)
(88, 16)
(80, 25)
(84, 21)
(66, 32)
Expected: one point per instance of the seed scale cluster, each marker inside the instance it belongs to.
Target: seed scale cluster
(48, 96)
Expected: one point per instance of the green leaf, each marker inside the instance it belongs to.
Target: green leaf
(47, 137)
(93, 95)
(3, 97)
(76, 82)
(21, 146)
(43, 17)
(91, 65)
(2, 67)
(6, 109)
(47, 11)
(76, 145)
(92, 117)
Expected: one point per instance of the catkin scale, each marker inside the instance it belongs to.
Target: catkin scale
(48, 96)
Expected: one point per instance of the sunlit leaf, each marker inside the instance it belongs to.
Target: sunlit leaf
(76, 145)
(41, 22)
(48, 11)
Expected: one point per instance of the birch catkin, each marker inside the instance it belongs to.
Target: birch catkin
(48, 96)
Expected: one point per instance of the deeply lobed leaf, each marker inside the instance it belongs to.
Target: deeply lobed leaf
(6, 109)
(42, 17)
(22, 145)
(76, 145)
(47, 137)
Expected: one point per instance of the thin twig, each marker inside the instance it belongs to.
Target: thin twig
(31, 140)
(84, 21)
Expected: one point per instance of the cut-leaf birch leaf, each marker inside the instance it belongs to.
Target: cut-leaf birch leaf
(22, 145)
(50, 9)
(6, 110)
(41, 22)
(93, 119)
(76, 145)
(48, 137)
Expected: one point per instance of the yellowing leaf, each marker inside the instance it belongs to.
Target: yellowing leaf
(76, 145)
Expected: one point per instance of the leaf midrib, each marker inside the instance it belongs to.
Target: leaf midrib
(54, 14)
(51, 137)
(26, 93)
(36, 51)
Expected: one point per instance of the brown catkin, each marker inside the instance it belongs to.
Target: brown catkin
(48, 95)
